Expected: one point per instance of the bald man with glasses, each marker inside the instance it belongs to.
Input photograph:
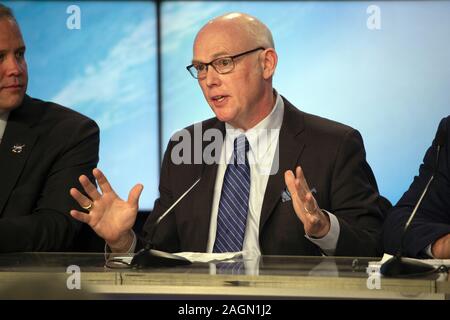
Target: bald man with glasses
(318, 196)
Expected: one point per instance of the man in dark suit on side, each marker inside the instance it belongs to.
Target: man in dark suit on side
(428, 235)
(44, 147)
(240, 206)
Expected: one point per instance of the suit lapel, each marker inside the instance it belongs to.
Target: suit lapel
(204, 198)
(16, 146)
(290, 147)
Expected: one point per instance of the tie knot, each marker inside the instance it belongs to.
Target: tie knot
(241, 147)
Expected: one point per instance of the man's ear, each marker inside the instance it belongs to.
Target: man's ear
(269, 59)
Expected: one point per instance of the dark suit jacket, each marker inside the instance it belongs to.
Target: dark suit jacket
(333, 159)
(432, 219)
(58, 146)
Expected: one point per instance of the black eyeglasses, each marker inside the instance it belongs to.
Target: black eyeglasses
(222, 65)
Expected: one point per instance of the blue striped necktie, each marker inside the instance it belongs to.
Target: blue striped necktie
(233, 205)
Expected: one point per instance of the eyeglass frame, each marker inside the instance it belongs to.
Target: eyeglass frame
(211, 63)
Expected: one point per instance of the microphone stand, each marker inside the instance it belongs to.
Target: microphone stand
(398, 266)
(149, 257)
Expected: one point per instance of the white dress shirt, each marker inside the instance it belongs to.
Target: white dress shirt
(3, 120)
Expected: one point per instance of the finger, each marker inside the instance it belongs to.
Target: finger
(297, 203)
(289, 179)
(135, 193)
(103, 183)
(293, 185)
(80, 216)
(302, 181)
(310, 204)
(90, 189)
(300, 189)
(82, 200)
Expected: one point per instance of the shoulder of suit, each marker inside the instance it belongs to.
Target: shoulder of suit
(329, 134)
(446, 120)
(445, 125)
(315, 125)
(325, 125)
(53, 112)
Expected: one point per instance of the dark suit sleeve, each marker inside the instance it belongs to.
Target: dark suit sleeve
(432, 219)
(50, 227)
(356, 201)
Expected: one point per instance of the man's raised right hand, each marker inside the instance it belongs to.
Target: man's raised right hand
(109, 216)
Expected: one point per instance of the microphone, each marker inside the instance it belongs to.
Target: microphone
(397, 266)
(148, 257)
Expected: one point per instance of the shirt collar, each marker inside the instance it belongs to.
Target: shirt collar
(4, 114)
(3, 119)
(261, 135)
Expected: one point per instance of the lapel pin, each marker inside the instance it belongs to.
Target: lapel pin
(17, 148)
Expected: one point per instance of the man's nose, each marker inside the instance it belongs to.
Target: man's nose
(13, 66)
(212, 76)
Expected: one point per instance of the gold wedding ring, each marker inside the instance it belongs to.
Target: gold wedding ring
(88, 207)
